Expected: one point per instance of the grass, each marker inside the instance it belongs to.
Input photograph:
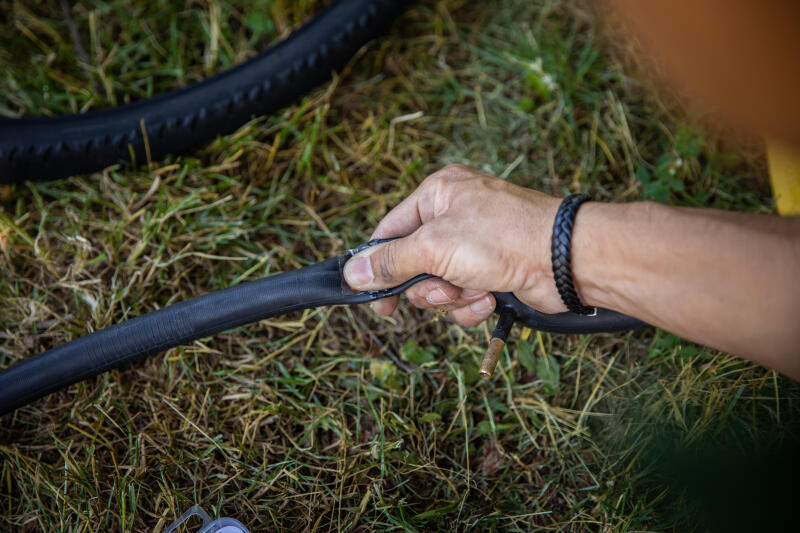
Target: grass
(107, 53)
(336, 418)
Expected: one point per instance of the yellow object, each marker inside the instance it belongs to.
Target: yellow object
(784, 173)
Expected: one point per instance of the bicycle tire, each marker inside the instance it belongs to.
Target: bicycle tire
(49, 148)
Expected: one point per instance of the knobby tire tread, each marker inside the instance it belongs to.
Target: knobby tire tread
(49, 148)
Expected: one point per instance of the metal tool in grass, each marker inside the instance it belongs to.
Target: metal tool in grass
(317, 285)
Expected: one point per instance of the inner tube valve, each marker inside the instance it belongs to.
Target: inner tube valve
(498, 340)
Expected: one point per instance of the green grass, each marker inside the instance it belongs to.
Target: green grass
(127, 50)
(336, 418)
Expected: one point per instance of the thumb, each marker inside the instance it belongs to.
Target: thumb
(384, 265)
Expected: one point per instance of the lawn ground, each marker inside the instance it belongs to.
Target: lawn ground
(336, 418)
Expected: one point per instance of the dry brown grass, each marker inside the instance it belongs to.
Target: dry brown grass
(326, 420)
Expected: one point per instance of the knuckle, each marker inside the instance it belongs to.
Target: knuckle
(431, 186)
(442, 188)
(448, 174)
(455, 170)
(432, 179)
(454, 173)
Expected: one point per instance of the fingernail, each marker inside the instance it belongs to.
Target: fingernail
(482, 306)
(438, 297)
(471, 293)
(358, 272)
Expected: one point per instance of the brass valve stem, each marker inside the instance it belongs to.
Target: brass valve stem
(499, 336)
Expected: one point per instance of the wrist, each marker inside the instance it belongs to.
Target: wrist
(534, 281)
(602, 260)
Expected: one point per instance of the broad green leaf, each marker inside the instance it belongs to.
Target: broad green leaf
(414, 353)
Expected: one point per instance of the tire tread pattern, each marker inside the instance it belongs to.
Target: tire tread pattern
(48, 148)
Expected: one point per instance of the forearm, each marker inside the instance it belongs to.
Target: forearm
(726, 280)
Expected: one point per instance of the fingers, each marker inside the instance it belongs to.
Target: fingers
(474, 313)
(467, 307)
(438, 293)
(423, 247)
(404, 219)
(427, 202)
(384, 265)
(385, 306)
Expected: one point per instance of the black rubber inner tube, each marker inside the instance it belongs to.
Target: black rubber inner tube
(313, 286)
(45, 148)
(317, 285)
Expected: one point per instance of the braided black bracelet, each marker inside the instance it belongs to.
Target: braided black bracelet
(561, 255)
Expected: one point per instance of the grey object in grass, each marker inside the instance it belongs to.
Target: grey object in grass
(220, 525)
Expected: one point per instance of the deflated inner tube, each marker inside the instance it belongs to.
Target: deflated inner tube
(602, 321)
(47, 148)
(317, 285)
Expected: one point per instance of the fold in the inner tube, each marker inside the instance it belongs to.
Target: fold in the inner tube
(317, 285)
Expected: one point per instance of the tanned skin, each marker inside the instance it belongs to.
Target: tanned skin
(726, 280)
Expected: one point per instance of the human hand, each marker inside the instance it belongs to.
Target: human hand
(476, 233)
